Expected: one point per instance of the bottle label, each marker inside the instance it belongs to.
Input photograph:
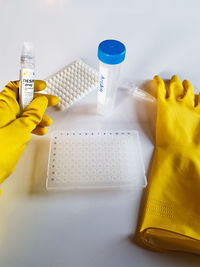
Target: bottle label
(27, 77)
(103, 74)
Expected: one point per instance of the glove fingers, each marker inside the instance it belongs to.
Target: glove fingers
(12, 88)
(52, 100)
(161, 87)
(39, 130)
(39, 85)
(46, 121)
(32, 115)
(198, 103)
(9, 107)
(189, 93)
(176, 89)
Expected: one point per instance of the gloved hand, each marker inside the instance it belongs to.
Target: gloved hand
(15, 131)
(170, 219)
(9, 106)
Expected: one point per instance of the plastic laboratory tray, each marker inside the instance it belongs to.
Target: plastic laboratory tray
(95, 160)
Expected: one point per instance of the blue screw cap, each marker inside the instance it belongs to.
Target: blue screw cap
(111, 52)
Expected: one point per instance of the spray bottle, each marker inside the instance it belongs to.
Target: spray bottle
(27, 75)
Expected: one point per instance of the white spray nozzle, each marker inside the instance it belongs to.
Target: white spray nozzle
(28, 50)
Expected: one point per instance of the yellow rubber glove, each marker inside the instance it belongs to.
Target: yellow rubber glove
(16, 131)
(14, 136)
(171, 215)
(10, 110)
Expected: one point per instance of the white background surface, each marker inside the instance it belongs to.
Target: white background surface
(89, 229)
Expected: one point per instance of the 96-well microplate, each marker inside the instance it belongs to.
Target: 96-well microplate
(71, 83)
(95, 160)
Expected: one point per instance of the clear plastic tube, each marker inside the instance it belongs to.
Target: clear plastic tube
(111, 53)
(108, 82)
(142, 94)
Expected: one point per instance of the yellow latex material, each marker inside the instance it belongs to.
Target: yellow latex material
(15, 130)
(9, 106)
(171, 216)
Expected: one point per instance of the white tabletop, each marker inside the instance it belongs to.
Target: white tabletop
(84, 229)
